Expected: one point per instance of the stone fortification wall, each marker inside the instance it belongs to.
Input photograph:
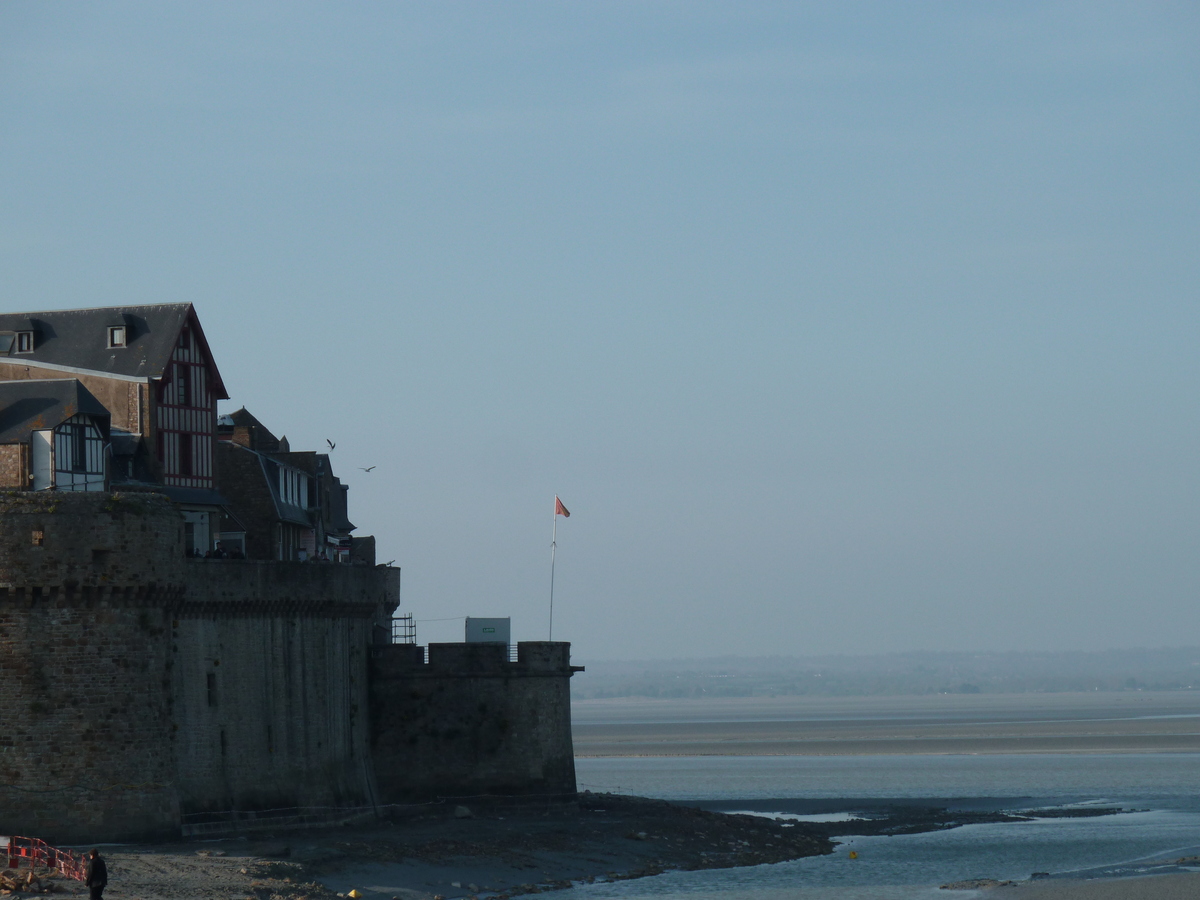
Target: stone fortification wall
(469, 722)
(270, 683)
(138, 686)
(86, 589)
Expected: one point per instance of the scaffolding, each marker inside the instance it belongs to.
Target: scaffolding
(404, 629)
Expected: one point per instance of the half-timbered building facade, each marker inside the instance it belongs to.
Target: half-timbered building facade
(186, 414)
(151, 368)
(54, 435)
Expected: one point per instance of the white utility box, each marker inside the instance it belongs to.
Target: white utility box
(488, 631)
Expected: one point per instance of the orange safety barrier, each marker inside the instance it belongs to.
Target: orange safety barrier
(35, 854)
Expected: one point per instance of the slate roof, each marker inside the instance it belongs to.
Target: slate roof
(28, 406)
(77, 339)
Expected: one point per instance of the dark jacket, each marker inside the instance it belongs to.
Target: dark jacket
(97, 872)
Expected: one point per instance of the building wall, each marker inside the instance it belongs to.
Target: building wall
(240, 475)
(126, 401)
(469, 722)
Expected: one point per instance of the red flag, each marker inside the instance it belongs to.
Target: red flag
(559, 509)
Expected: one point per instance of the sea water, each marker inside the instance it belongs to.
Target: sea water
(1161, 793)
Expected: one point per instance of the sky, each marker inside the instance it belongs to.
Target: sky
(839, 328)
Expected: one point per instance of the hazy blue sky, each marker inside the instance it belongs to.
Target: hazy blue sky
(838, 327)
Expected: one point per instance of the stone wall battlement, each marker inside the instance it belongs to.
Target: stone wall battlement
(534, 659)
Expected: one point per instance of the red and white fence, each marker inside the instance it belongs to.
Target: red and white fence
(35, 854)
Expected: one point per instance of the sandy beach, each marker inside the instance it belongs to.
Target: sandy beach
(1152, 887)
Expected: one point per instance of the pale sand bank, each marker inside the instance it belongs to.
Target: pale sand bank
(944, 724)
(1153, 887)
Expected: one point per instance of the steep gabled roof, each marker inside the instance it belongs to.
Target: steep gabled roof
(29, 406)
(77, 339)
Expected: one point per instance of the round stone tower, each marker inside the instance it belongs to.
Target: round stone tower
(88, 586)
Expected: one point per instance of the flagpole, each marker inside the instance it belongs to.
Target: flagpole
(553, 547)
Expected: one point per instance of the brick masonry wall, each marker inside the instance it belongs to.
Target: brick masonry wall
(469, 722)
(127, 401)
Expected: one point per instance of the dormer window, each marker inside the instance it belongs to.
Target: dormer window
(116, 336)
(24, 341)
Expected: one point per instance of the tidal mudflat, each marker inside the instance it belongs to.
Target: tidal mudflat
(1130, 722)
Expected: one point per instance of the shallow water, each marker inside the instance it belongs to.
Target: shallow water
(1162, 789)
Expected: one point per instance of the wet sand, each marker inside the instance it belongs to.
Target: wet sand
(1134, 722)
(1154, 887)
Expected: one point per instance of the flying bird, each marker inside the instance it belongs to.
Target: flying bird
(367, 469)
(330, 443)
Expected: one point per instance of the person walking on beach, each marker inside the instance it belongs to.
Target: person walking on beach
(97, 874)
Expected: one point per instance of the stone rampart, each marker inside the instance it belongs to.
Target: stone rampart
(469, 722)
(139, 686)
(86, 594)
(142, 690)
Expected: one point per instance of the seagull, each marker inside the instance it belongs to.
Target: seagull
(367, 469)
(330, 443)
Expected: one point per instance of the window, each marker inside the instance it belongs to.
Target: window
(39, 537)
(78, 438)
(183, 385)
(116, 336)
(24, 341)
(185, 454)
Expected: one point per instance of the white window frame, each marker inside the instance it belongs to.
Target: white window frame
(117, 336)
(24, 342)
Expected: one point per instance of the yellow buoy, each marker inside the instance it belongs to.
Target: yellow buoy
(355, 894)
(854, 854)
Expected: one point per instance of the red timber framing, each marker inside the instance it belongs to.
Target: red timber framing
(186, 411)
